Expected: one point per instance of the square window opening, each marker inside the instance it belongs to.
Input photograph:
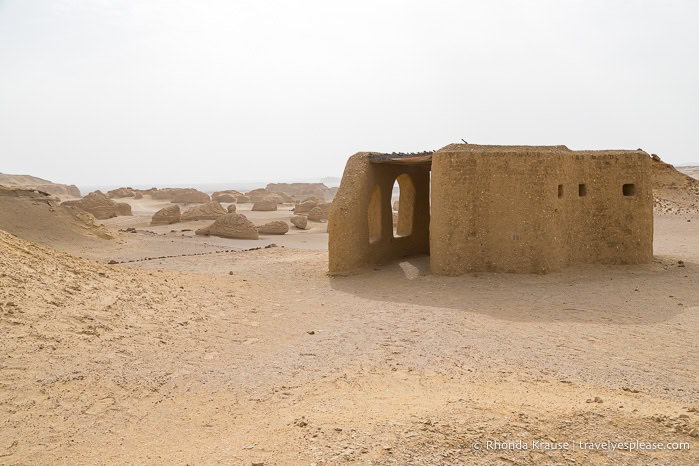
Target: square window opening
(629, 190)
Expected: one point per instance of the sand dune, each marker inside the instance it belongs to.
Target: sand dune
(39, 217)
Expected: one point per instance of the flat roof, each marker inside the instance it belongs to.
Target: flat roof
(425, 158)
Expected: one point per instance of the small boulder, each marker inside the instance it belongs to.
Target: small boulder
(264, 205)
(273, 228)
(166, 216)
(320, 213)
(231, 208)
(315, 215)
(300, 222)
(305, 206)
(231, 226)
(209, 211)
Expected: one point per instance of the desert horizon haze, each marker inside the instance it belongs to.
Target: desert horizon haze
(100, 92)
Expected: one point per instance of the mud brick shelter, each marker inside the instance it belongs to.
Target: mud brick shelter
(475, 208)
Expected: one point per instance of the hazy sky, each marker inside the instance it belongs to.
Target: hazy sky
(164, 91)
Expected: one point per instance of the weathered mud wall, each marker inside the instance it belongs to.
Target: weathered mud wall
(492, 212)
(497, 208)
(536, 210)
(361, 229)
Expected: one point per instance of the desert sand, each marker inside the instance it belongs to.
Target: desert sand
(203, 350)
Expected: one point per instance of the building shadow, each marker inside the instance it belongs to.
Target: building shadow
(603, 294)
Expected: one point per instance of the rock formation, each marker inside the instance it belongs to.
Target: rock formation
(33, 182)
(264, 205)
(301, 190)
(300, 222)
(395, 206)
(258, 194)
(315, 215)
(224, 198)
(230, 195)
(320, 212)
(166, 216)
(243, 200)
(121, 193)
(273, 228)
(673, 191)
(190, 196)
(100, 206)
(209, 211)
(306, 205)
(231, 208)
(667, 176)
(231, 226)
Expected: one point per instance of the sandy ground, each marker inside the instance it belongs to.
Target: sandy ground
(222, 355)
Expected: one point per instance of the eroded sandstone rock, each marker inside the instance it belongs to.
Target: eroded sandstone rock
(167, 216)
(264, 205)
(273, 228)
(231, 226)
(209, 211)
(100, 206)
(300, 222)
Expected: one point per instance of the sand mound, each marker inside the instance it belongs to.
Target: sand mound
(673, 191)
(209, 211)
(32, 182)
(39, 217)
(273, 228)
(166, 216)
(231, 226)
(100, 206)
